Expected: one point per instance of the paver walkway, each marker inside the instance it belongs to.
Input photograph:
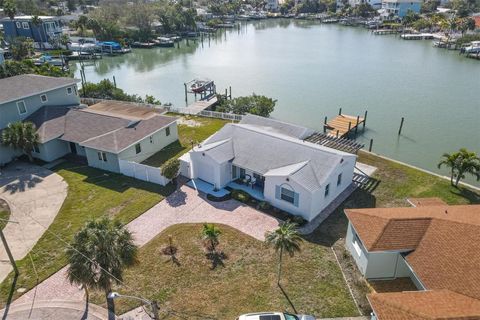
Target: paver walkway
(34, 195)
(183, 206)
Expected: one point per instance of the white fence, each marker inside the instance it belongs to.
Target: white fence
(142, 172)
(205, 113)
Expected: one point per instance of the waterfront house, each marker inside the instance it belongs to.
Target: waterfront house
(434, 245)
(399, 8)
(270, 160)
(22, 26)
(102, 134)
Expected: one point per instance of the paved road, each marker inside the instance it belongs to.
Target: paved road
(183, 206)
(57, 310)
(35, 195)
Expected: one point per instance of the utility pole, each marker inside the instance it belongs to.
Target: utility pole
(9, 253)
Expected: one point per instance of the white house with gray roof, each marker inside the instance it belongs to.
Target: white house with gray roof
(272, 157)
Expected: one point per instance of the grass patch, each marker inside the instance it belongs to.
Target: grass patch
(203, 128)
(92, 193)
(4, 213)
(246, 282)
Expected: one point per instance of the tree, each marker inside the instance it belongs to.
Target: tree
(285, 238)
(21, 48)
(21, 135)
(12, 68)
(37, 21)
(211, 234)
(98, 255)
(254, 104)
(170, 169)
(460, 163)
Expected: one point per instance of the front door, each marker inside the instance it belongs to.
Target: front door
(73, 148)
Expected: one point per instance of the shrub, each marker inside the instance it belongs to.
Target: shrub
(299, 220)
(170, 168)
(264, 205)
(240, 195)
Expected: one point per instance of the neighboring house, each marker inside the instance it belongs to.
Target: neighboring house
(272, 5)
(476, 18)
(272, 158)
(436, 246)
(2, 57)
(376, 4)
(22, 26)
(23, 95)
(399, 8)
(103, 134)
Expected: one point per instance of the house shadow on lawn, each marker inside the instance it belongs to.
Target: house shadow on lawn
(113, 181)
(335, 226)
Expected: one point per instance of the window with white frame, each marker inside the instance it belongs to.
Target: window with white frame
(339, 179)
(102, 156)
(138, 148)
(43, 98)
(25, 25)
(69, 90)
(22, 108)
(151, 139)
(287, 195)
(75, 90)
(18, 24)
(327, 190)
(167, 131)
(356, 245)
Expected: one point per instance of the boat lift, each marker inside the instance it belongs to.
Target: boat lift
(204, 87)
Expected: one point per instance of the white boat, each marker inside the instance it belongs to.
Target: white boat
(474, 47)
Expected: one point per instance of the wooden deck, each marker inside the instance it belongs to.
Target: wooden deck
(200, 105)
(342, 124)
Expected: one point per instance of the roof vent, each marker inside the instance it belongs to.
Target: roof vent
(133, 123)
(446, 211)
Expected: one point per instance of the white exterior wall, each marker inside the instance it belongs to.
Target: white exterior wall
(159, 141)
(225, 173)
(52, 150)
(110, 165)
(358, 251)
(304, 197)
(7, 154)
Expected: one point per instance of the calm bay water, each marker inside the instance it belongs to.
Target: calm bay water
(313, 69)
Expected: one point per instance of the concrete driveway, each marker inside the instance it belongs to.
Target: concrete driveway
(34, 195)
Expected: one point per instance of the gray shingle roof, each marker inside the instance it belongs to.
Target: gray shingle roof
(50, 122)
(97, 131)
(262, 150)
(26, 85)
(277, 126)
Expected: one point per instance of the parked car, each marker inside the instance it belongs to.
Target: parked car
(274, 316)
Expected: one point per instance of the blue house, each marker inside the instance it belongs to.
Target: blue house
(22, 26)
(399, 8)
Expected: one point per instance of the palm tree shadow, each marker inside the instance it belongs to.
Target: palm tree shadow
(216, 258)
(288, 299)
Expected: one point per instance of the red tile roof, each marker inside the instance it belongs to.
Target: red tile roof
(431, 305)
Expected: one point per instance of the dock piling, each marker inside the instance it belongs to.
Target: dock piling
(370, 146)
(340, 111)
(401, 126)
(356, 126)
(114, 82)
(230, 88)
(325, 125)
(365, 119)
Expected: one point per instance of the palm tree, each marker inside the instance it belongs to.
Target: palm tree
(21, 135)
(37, 21)
(211, 233)
(10, 10)
(99, 253)
(285, 238)
(460, 163)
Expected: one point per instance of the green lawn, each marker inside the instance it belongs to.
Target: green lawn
(246, 282)
(186, 135)
(91, 193)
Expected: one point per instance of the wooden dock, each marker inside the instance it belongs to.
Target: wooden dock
(381, 32)
(200, 105)
(343, 124)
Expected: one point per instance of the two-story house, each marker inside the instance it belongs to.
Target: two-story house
(400, 8)
(23, 95)
(103, 134)
(41, 33)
